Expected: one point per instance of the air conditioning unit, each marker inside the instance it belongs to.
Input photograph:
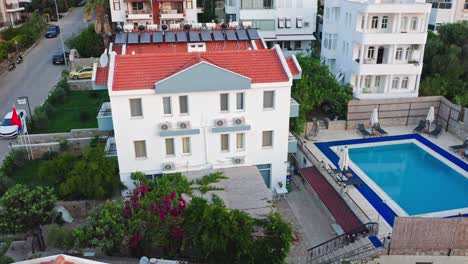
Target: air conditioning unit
(168, 166)
(220, 122)
(165, 126)
(183, 125)
(415, 46)
(238, 160)
(238, 121)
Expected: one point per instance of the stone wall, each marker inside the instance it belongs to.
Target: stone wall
(337, 125)
(57, 137)
(80, 85)
(79, 209)
(83, 62)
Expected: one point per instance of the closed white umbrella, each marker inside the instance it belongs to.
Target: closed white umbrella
(343, 163)
(374, 119)
(430, 116)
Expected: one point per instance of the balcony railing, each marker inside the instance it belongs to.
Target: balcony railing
(172, 11)
(140, 12)
(12, 7)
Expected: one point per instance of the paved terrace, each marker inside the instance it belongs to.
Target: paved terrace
(351, 194)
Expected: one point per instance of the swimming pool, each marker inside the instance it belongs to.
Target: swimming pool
(405, 175)
(417, 181)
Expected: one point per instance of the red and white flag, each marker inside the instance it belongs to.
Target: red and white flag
(15, 120)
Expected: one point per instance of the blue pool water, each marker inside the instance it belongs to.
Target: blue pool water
(417, 181)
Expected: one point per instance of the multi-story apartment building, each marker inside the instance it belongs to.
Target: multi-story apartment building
(153, 11)
(376, 45)
(447, 11)
(200, 100)
(10, 12)
(288, 23)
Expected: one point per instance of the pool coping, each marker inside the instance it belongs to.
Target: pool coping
(386, 208)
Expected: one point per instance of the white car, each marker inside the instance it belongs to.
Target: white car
(7, 129)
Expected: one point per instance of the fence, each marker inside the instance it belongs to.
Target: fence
(408, 111)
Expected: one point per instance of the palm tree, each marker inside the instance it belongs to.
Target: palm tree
(101, 26)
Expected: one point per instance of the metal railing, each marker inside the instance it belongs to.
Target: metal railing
(370, 229)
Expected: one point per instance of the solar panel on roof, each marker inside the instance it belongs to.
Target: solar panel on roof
(132, 38)
(145, 37)
(231, 35)
(169, 37)
(181, 36)
(158, 37)
(206, 36)
(253, 34)
(218, 35)
(121, 38)
(242, 34)
(194, 36)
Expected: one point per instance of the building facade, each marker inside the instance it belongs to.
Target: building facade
(449, 11)
(10, 12)
(157, 12)
(377, 46)
(182, 107)
(289, 23)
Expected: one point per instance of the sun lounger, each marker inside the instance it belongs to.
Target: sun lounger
(420, 127)
(380, 130)
(363, 131)
(459, 147)
(436, 132)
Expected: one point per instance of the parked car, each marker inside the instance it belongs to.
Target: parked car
(84, 73)
(52, 31)
(81, 3)
(7, 129)
(60, 59)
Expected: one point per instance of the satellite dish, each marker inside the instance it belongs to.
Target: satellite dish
(119, 28)
(141, 27)
(104, 59)
(164, 27)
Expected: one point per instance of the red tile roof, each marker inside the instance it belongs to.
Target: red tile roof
(182, 47)
(292, 66)
(142, 71)
(101, 75)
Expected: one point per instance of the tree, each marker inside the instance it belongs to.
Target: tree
(318, 88)
(56, 170)
(87, 43)
(94, 176)
(208, 14)
(101, 26)
(25, 209)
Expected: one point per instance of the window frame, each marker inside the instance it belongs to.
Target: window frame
(404, 80)
(299, 22)
(242, 94)
(145, 152)
(271, 139)
(115, 4)
(397, 80)
(384, 24)
(287, 22)
(224, 98)
(187, 105)
(166, 140)
(242, 136)
(371, 52)
(414, 23)
(281, 22)
(399, 54)
(224, 136)
(186, 144)
(272, 102)
(377, 81)
(374, 22)
(132, 113)
(170, 105)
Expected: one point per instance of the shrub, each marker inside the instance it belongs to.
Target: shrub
(88, 43)
(60, 237)
(57, 169)
(16, 158)
(84, 116)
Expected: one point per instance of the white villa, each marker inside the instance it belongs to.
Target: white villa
(376, 45)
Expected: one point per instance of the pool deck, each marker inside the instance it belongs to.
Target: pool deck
(444, 141)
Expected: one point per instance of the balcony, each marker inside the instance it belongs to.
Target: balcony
(293, 108)
(13, 7)
(104, 117)
(384, 69)
(143, 14)
(111, 148)
(292, 144)
(168, 14)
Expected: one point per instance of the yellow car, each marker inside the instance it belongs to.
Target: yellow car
(84, 73)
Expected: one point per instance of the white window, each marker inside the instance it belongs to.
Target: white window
(299, 22)
(240, 104)
(414, 23)
(116, 5)
(140, 148)
(408, 54)
(186, 145)
(399, 53)
(280, 22)
(384, 22)
(404, 83)
(240, 141)
(404, 24)
(395, 83)
(288, 22)
(136, 108)
(375, 22)
(267, 139)
(183, 104)
(377, 81)
(268, 99)
(325, 40)
(335, 40)
(367, 81)
(370, 52)
(225, 142)
(167, 105)
(363, 21)
(224, 102)
(327, 14)
(170, 149)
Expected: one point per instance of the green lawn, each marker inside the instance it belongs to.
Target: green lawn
(78, 110)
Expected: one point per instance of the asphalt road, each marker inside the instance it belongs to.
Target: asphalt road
(36, 76)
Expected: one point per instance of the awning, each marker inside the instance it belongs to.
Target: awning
(292, 37)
